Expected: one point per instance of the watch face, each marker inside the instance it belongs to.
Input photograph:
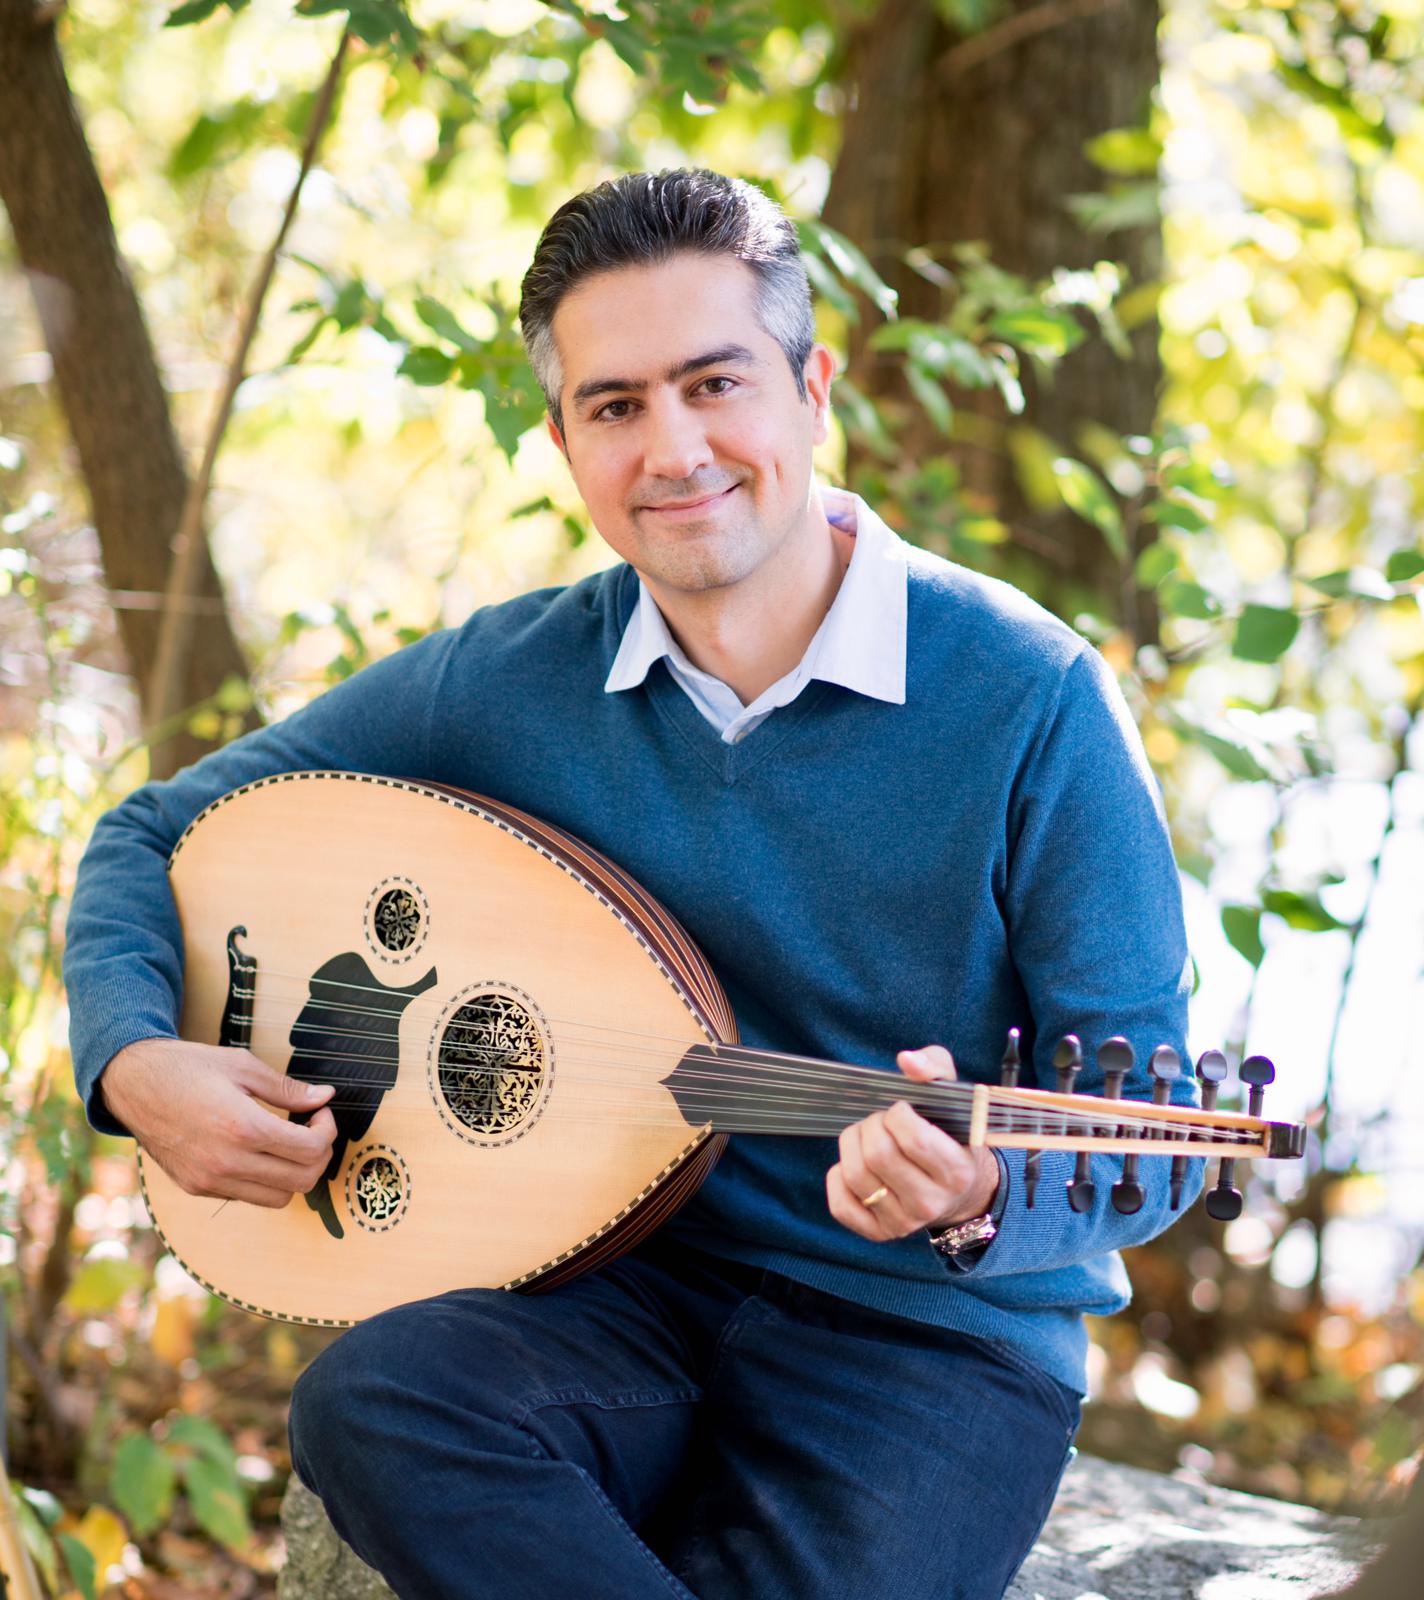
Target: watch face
(961, 1236)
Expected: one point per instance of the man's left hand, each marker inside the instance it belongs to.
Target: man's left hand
(924, 1178)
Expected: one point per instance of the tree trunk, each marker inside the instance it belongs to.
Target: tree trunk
(104, 366)
(937, 153)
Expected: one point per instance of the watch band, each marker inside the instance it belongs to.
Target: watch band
(960, 1237)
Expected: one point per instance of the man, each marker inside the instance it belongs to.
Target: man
(894, 802)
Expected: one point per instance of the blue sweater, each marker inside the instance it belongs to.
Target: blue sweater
(864, 878)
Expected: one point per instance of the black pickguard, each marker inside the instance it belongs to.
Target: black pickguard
(347, 1034)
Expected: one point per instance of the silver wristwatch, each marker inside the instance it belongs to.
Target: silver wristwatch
(961, 1237)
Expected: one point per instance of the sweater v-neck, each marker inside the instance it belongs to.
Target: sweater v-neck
(728, 762)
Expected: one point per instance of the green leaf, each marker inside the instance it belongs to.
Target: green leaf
(1241, 756)
(426, 365)
(1125, 152)
(1176, 514)
(513, 405)
(81, 1564)
(928, 392)
(829, 286)
(1264, 633)
(1038, 329)
(441, 320)
(969, 16)
(213, 135)
(1006, 378)
(142, 1482)
(1154, 564)
(861, 418)
(1124, 205)
(1192, 477)
(1360, 583)
(194, 11)
(852, 265)
(1181, 597)
(1242, 927)
(1086, 494)
(1303, 911)
(216, 1496)
(98, 1286)
(203, 1437)
(1404, 565)
(37, 1511)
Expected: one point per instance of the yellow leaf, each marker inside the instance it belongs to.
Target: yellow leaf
(172, 1336)
(103, 1536)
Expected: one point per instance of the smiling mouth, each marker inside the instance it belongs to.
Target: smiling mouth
(694, 505)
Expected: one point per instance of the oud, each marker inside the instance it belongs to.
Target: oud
(534, 1065)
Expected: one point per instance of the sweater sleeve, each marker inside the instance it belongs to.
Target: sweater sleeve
(1094, 912)
(123, 958)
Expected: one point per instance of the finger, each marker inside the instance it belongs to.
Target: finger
(928, 1065)
(302, 1142)
(846, 1208)
(280, 1090)
(930, 1150)
(915, 1196)
(256, 1194)
(858, 1177)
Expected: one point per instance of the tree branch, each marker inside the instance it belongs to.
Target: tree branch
(968, 54)
(176, 629)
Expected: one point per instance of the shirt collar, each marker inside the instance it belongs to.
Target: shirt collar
(861, 643)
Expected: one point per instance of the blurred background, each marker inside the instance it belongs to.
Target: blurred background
(1128, 300)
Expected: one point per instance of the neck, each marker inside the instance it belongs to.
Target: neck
(753, 632)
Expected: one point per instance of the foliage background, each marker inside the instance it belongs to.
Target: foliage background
(1256, 585)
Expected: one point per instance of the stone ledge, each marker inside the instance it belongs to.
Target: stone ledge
(1116, 1533)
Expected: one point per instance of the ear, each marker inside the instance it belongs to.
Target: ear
(556, 436)
(820, 370)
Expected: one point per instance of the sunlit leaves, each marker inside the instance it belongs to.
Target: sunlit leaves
(1404, 565)
(199, 11)
(1358, 583)
(850, 262)
(1300, 911)
(215, 135)
(374, 22)
(1085, 493)
(1125, 152)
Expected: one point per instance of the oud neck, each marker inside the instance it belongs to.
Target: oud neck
(743, 1089)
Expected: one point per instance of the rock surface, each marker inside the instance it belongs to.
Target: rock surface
(1116, 1533)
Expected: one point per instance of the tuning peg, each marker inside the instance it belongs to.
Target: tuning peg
(1009, 1066)
(1256, 1073)
(1068, 1063)
(1166, 1067)
(1211, 1070)
(1224, 1201)
(1118, 1058)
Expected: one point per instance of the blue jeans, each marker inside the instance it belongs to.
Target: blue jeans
(678, 1425)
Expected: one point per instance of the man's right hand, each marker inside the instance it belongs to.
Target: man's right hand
(203, 1112)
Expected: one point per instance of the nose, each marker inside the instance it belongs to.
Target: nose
(674, 442)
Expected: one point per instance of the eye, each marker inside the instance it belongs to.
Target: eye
(605, 413)
(730, 382)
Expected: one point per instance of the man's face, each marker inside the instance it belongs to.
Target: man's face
(683, 428)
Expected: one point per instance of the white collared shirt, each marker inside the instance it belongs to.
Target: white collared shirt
(859, 645)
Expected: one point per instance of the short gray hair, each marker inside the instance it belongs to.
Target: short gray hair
(643, 218)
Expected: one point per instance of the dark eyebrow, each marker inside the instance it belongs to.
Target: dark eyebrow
(723, 355)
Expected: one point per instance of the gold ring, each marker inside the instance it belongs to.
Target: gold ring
(876, 1198)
